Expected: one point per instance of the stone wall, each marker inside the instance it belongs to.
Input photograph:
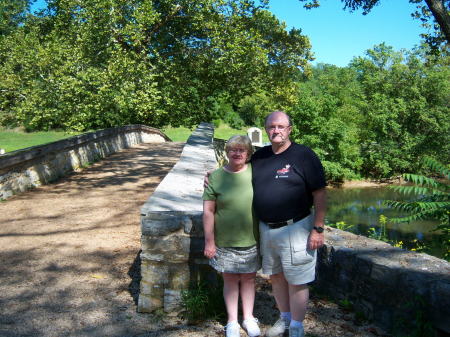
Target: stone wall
(399, 290)
(27, 168)
(172, 230)
(388, 285)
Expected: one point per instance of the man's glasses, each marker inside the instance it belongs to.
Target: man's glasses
(279, 127)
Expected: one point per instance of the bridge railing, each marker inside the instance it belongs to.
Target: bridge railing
(39, 165)
(172, 230)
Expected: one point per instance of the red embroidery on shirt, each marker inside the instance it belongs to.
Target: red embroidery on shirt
(284, 170)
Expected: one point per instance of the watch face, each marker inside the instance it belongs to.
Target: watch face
(318, 229)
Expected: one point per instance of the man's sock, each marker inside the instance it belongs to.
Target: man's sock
(296, 324)
(286, 316)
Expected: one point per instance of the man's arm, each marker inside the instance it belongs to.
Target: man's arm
(316, 239)
(209, 207)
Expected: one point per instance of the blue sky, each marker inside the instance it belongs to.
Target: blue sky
(337, 35)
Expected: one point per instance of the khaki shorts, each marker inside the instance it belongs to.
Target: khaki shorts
(285, 250)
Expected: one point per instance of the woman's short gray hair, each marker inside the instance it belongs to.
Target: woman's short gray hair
(241, 141)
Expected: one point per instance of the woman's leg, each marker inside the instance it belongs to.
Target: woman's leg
(231, 295)
(247, 291)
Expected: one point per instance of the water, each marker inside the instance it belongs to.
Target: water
(362, 208)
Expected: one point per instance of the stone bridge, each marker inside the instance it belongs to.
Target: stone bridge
(71, 259)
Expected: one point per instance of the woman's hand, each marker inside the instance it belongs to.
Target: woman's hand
(210, 249)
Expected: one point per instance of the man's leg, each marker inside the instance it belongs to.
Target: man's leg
(280, 289)
(298, 296)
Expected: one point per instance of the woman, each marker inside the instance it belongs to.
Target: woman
(231, 234)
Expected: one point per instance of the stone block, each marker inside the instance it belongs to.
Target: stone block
(439, 303)
(179, 276)
(173, 248)
(165, 225)
(154, 273)
(172, 301)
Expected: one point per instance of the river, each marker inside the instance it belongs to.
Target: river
(362, 207)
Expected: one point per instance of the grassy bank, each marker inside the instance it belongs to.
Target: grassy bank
(12, 140)
(181, 134)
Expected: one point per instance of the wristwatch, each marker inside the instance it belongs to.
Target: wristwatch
(318, 229)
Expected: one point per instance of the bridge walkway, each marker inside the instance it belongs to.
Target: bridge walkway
(69, 254)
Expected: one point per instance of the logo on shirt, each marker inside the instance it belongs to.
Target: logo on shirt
(283, 173)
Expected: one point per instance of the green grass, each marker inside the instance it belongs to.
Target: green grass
(11, 140)
(181, 134)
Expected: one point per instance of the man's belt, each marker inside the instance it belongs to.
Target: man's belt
(279, 224)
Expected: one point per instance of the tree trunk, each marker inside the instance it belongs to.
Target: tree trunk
(440, 13)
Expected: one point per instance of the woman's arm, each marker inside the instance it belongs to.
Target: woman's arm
(209, 207)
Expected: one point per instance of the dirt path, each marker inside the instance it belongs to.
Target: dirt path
(70, 258)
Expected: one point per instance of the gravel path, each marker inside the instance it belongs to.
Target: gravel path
(70, 258)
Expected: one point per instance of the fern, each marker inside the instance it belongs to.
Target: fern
(432, 199)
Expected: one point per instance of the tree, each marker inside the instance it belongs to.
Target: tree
(406, 111)
(327, 118)
(91, 64)
(12, 14)
(427, 11)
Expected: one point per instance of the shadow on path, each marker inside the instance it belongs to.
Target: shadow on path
(70, 250)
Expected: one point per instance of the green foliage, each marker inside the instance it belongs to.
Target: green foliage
(254, 108)
(13, 14)
(380, 233)
(342, 226)
(432, 199)
(376, 117)
(87, 65)
(202, 302)
(404, 119)
(326, 119)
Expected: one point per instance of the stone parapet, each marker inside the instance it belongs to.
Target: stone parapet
(172, 230)
(393, 287)
(27, 168)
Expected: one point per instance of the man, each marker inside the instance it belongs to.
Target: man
(288, 179)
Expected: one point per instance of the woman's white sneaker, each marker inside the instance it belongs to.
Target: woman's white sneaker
(251, 326)
(233, 329)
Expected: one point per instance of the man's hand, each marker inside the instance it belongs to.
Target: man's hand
(210, 250)
(315, 240)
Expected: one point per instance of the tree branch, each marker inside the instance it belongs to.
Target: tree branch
(440, 13)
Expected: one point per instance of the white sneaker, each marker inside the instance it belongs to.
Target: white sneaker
(251, 326)
(280, 328)
(233, 329)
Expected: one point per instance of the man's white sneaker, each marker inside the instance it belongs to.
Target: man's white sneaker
(278, 329)
(233, 329)
(296, 332)
(251, 326)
